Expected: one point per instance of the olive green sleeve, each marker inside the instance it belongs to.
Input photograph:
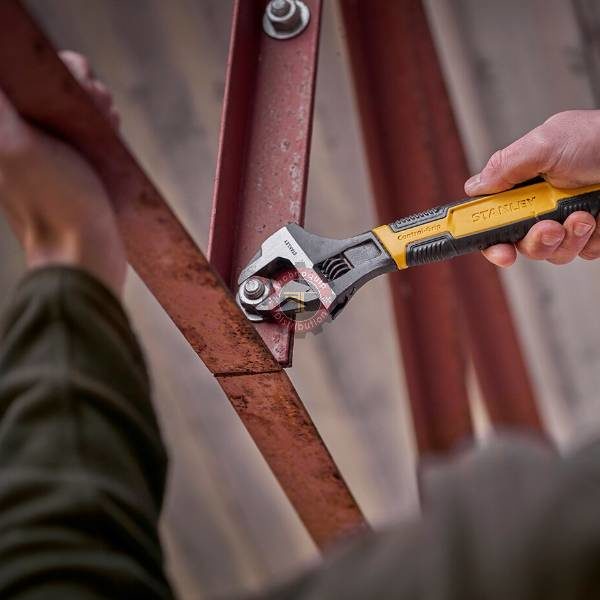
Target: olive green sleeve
(82, 465)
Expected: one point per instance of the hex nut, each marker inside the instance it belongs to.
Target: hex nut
(254, 288)
(285, 19)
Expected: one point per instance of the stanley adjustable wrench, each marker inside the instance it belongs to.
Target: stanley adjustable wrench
(326, 273)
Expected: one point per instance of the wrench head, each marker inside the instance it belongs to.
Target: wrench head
(280, 250)
(336, 268)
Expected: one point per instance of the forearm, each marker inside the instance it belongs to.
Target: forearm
(82, 467)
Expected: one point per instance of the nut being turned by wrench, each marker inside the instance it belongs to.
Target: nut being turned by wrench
(291, 247)
(254, 288)
(285, 19)
(251, 293)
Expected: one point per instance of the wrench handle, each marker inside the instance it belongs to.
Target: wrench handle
(474, 224)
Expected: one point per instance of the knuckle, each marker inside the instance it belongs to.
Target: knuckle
(540, 142)
(78, 65)
(83, 63)
(68, 55)
(497, 160)
(560, 117)
(544, 147)
(101, 88)
(101, 92)
(590, 253)
(536, 250)
(528, 249)
(561, 258)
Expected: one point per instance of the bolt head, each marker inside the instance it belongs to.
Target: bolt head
(285, 18)
(254, 288)
(280, 8)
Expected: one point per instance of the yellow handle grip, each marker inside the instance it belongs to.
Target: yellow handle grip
(477, 223)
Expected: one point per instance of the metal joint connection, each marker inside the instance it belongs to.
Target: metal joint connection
(285, 19)
(252, 293)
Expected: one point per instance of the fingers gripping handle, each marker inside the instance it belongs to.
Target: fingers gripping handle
(476, 223)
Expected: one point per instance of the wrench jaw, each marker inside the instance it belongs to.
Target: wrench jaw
(336, 270)
(279, 251)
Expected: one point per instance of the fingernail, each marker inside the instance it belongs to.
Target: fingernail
(552, 239)
(473, 182)
(582, 229)
(496, 256)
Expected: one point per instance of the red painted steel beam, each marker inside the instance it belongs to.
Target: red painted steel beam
(489, 326)
(265, 142)
(404, 176)
(177, 273)
(417, 161)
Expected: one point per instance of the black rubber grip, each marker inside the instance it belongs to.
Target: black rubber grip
(446, 246)
(431, 214)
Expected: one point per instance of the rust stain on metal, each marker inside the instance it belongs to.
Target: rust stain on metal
(283, 431)
(159, 248)
(177, 273)
(417, 161)
(265, 142)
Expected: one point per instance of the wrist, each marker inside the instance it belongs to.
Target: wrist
(103, 257)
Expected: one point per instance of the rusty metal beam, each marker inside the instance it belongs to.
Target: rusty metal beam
(417, 161)
(489, 327)
(587, 14)
(404, 178)
(272, 412)
(264, 150)
(177, 273)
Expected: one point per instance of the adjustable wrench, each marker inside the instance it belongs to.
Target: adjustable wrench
(326, 272)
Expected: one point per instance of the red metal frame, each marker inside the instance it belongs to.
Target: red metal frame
(405, 179)
(416, 161)
(176, 272)
(490, 330)
(267, 115)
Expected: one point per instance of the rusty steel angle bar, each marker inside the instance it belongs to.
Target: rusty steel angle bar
(417, 161)
(262, 168)
(404, 180)
(276, 419)
(177, 273)
(486, 316)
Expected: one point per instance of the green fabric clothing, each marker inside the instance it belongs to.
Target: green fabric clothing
(510, 521)
(82, 475)
(82, 466)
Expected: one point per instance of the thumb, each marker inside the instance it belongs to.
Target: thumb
(522, 160)
(14, 133)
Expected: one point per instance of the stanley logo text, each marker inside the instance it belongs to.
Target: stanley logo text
(488, 214)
